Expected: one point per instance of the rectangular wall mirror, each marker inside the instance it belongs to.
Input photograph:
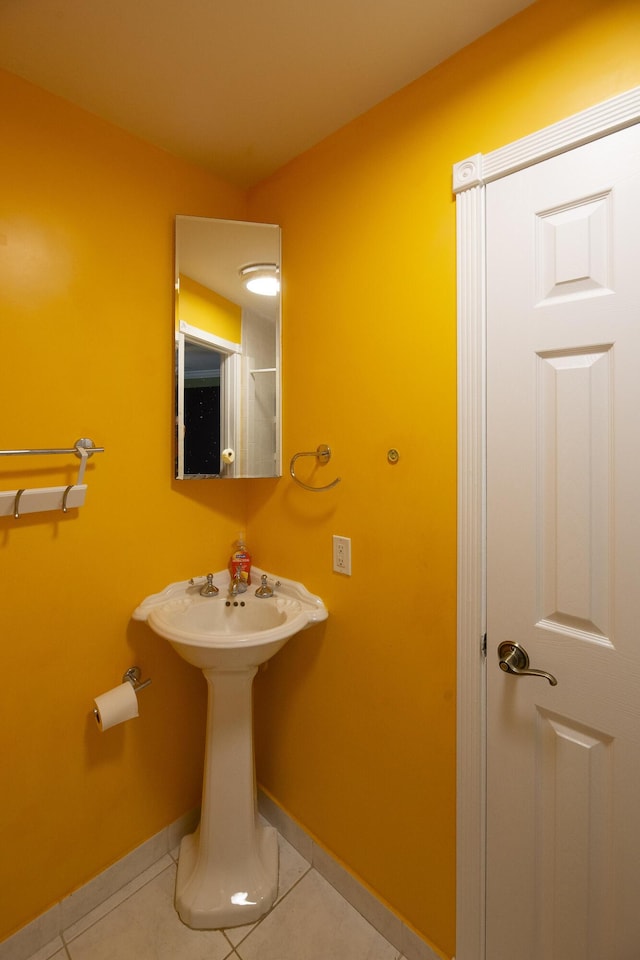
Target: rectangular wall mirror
(227, 349)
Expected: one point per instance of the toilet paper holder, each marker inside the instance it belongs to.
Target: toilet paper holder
(132, 675)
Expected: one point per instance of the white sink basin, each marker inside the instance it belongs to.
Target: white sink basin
(230, 632)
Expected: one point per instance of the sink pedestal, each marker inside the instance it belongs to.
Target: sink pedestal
(228, 868)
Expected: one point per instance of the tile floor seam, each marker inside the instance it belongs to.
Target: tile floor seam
(242, 944)
(263, 918)
(68, 940)
(233, 946)
(283, 897)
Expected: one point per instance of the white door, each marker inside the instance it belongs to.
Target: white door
(563, 556)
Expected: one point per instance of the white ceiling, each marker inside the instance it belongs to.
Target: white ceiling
(238, 86)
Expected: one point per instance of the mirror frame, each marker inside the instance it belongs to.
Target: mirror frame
(238, 379)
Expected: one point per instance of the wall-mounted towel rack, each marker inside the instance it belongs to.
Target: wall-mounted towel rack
(323, 455)
(18, 502)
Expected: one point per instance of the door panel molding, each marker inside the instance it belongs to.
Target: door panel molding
(469, 179)
(574, 774)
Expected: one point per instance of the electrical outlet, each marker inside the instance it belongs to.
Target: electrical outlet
(342, 555)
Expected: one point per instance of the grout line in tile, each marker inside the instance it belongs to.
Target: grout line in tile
(115, 900)
(268, 914)
(45, 952)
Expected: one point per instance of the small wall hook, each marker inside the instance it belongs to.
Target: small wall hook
(65, 495)
(16, 504)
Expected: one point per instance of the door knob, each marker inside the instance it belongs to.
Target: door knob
(512, 658)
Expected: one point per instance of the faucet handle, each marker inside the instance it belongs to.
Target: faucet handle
(264, 590)
(209, 589)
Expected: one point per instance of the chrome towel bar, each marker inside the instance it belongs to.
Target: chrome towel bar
(83, 444)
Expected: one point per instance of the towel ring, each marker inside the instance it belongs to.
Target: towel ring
(323, 455)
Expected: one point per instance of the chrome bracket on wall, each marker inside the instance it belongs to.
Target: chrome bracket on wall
(323, 455)
(133, 675)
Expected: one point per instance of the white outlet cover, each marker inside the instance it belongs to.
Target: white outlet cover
(342, 555)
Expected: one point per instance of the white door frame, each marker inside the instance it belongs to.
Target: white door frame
(469, 182)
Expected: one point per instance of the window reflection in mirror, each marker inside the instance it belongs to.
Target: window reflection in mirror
(227, 352)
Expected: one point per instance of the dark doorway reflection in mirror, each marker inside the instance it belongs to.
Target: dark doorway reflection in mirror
(201, 410)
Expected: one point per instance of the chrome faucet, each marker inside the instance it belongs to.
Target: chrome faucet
(237, 584)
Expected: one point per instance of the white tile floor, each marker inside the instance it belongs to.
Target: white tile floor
(309, 921)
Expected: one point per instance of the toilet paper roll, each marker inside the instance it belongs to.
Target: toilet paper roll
(116, 706)
(228, 456)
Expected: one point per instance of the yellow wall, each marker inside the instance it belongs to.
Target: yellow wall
(86, 265)
(356, 717)
(207, 310)
(356, 720)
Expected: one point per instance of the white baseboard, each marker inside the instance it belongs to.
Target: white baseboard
(49, 925)
(377, 913)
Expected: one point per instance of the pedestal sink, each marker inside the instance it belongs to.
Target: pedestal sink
(228, 868)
